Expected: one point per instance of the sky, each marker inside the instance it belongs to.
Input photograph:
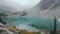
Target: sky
(20, 5)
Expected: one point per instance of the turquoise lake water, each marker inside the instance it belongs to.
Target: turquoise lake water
(43, 23)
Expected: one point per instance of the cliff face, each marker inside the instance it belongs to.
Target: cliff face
(46, 9)
(45, 4)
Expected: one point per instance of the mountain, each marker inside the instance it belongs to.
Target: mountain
(45, 9)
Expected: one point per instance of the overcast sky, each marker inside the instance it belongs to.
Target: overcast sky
(19, 4)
